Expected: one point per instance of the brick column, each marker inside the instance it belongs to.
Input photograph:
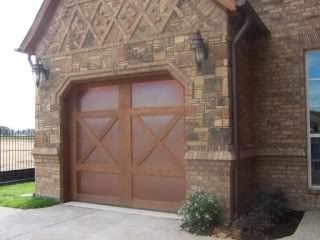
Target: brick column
(47, 172)
(214, 173)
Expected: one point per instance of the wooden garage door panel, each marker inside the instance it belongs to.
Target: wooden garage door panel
(153, 137)
(157, 94)
(156, 123)
(95, 167)
(85, 150)
(98, 98)
(112, 141)
(129, 144)
(159, 189)
(174, 141)
(97, 124)
(98, 157)
(140, 139)
(90, 183)
(83, 141)
(158, 158)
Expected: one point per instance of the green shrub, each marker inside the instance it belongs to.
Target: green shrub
(200, 212)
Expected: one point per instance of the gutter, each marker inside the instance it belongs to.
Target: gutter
(254, 27)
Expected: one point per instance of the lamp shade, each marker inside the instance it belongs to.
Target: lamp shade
(39, 73)
(199, 49)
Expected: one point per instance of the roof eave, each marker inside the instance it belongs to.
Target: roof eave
(39, 26)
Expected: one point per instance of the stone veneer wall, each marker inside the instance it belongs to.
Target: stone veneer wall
(83, 42)
(280, 99)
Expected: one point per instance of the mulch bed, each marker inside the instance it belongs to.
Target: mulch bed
(285, 227)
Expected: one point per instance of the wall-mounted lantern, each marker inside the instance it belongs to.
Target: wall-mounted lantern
(39, 72)
(200, 50)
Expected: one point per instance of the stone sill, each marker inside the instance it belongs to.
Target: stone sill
(297, 152)
(230, 155)
(45, 151)
(210, 155)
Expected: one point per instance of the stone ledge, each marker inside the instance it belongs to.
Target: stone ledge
(290, 152)
(230, 155)
(210, 155)
(45, 152)
(300, 152)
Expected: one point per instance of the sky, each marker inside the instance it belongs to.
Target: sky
(314, 64)
(314, 79)
(17, 89)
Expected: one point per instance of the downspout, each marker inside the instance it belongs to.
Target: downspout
(235, 100)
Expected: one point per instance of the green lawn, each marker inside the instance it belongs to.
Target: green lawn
(10, 196)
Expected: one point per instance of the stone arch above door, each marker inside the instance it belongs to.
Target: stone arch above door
(149, 69)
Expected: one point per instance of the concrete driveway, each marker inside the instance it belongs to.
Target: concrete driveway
(64, 222)
(309, 228)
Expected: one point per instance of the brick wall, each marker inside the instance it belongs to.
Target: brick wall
(290, 175)
(280, 84)
(215, 176)
(279, 96)
(47, 177)
(248, 183)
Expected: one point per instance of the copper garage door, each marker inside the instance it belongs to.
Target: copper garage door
(128, 144)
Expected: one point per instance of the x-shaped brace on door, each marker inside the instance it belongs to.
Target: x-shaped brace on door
(97, 139)
(158, 139)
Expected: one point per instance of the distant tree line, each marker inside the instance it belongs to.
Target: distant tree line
(5, 131)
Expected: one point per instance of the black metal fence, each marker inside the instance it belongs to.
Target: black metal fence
(16, 160)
